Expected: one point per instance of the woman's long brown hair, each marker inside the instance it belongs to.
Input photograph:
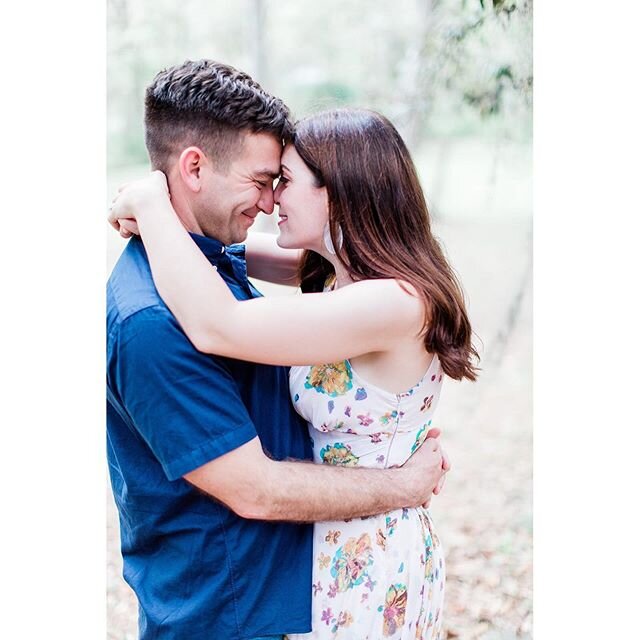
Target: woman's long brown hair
(375, 198)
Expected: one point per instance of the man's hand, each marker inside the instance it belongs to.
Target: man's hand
(423, 462)
(446, 463)
(426, 468)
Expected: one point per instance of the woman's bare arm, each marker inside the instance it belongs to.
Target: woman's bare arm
(267, 261)
(364, 317)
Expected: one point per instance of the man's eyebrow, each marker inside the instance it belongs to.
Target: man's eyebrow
(266, 173)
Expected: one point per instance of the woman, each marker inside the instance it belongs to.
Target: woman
(381, 322)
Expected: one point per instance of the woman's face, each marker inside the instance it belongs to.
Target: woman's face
(303, 207)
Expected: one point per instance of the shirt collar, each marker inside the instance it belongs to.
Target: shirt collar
(214, 249)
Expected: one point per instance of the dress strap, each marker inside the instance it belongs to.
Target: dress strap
(330, 283)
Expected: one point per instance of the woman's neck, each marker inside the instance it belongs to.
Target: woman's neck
(343, 278)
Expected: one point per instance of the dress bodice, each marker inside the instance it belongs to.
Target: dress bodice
(354, 423)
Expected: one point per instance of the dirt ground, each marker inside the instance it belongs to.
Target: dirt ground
(484, 515)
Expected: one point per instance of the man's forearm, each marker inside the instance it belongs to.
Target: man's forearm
(257, 487)
(307, 492)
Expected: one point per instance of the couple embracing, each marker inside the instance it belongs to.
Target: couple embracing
(272, 459)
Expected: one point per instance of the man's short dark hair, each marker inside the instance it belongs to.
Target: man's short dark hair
(209, 105)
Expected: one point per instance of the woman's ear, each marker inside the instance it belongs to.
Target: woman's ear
(190, 166)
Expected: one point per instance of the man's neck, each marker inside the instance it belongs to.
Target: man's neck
(185, 213)
(182, 206)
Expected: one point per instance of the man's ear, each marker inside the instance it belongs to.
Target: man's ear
(190, 165)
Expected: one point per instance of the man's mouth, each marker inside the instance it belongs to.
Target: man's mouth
(251, 218)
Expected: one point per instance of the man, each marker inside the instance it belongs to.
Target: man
(200, 447)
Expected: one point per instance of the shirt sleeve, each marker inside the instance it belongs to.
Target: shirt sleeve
(183, 403)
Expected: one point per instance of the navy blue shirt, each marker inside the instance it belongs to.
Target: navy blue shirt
(199, 571)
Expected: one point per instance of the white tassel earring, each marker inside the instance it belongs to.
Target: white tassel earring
(328, 243)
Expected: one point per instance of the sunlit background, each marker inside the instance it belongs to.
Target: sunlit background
(455, 77)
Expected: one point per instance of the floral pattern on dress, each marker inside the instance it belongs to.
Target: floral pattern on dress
(344, 620)
(338, 454)
(421, 436)
(379, 576)
(394, 609)
(330, 379)
(389, 416)
(349, 567)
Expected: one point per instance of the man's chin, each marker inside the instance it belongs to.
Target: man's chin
(238, 237)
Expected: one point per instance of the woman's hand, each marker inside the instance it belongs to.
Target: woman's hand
(136, 199)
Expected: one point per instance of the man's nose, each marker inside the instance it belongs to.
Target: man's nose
(266, 201)
(276, 193)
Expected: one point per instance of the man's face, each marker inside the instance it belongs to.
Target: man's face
(231, 199)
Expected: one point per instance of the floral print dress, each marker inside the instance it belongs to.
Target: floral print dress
(381, 576)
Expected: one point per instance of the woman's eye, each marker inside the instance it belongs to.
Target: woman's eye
(283, 180)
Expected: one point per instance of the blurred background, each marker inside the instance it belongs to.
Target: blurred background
(455, 77)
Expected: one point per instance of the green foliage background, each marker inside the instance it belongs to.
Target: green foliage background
(437, 68)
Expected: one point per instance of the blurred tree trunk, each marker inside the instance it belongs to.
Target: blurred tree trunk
(260, 68)
(119, 13)
(416, 82)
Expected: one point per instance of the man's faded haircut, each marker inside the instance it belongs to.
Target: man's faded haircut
(209, 105)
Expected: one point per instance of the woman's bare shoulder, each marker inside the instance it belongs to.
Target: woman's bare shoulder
(398, 298)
